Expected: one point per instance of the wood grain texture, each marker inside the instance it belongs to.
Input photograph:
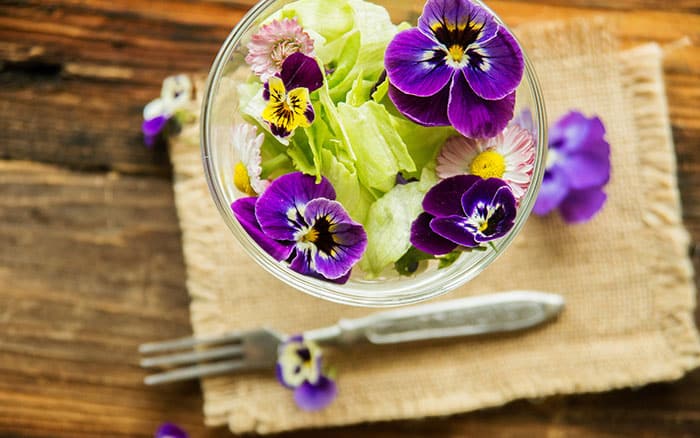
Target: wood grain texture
(90, 260)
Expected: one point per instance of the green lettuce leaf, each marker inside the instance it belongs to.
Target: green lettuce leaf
(342, 63)
(377, 30)
(422, 142)
(360, 91)
(329, 18)
(388, 227)
(349, 192)
(379, 150)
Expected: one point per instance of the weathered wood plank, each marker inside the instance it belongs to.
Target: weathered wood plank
(90, 266)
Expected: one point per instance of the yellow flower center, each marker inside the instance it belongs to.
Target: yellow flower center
(483, 226)
(241, 179)
(311, 236)
(488, 164)
(456, 53)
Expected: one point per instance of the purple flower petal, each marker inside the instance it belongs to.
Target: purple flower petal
(425, 239)
(443, 17)
(299, 70)
(496, 194)
(279, 209)
(455, 229)
(244, 210)
(585, 170)
(151, 128)
(495, 67)
(170, 430)
(301, 263)
(484, 191)
(582, 205)
(280, 376)
(310, 114)
(312, 397)
(475, 117)
(444, 198)
(414, 65)
(552, 192)
(426, 111)
(575, 133)
(340, 241)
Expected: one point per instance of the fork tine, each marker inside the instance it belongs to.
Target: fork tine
(196, 371)
(189, 342)
(192, 356)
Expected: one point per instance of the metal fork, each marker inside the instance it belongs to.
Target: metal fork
(257, 349)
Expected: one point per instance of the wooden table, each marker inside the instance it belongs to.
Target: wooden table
(90, 256)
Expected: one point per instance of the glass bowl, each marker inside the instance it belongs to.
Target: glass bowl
(220, 110)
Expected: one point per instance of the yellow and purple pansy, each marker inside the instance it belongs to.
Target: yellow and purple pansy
(298, 220)
(288, 95)
(300, 367)
(459, 67)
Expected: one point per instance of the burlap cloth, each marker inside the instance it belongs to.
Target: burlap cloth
(625, 275)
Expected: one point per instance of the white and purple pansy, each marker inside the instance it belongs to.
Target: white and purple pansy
(578, 167)
(300, 367)
(287, 95)
(298, 220)
(463, 211)
(459, 67)
(175, 95)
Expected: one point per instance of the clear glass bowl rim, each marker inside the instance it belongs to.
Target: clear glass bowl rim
(430, 286)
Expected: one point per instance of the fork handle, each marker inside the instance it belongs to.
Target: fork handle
(493, 313)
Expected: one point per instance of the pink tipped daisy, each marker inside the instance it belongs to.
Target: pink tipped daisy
(273, 43)
(509, 156)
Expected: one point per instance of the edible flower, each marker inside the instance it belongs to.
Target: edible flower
(300, 367)
(298, 220)
(170, 430)
(459, 67)
(246, 144)
(273, 43)
(463, 211)
(578, 167)
(174, 95)
(289, 104)
(509, 156)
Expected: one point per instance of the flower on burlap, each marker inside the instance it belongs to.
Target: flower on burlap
(300, 367)
(578, 167)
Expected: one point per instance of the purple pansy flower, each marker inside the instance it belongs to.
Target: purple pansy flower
(287, 95)
(299, 367)
(297, 219)
(459, 67)
(578, 167)
(169, 430)
(463, 210)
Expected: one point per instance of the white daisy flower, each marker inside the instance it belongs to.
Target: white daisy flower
(509, 156)
(245, 145)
